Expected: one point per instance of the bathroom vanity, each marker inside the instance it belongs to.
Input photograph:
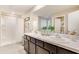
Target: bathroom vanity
(39, 44)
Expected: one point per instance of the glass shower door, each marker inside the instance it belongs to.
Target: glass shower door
(8, 29)
(3, 30)
(11, 28)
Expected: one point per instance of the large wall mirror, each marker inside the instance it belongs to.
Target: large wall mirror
(64, 24)
(73, 23)
(57, 24)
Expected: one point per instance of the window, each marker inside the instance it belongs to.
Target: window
(45, 23)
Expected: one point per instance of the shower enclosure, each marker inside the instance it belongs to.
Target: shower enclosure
(10, 29)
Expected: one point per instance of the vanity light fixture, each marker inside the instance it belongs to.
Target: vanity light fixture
(27, 19)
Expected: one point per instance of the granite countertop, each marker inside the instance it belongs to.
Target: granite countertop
(61, 42)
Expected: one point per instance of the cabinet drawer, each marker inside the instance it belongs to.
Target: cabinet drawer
(39, 42)
(40, 50)
(31, 48)
(28, 37)
(50, 47)
(32, 40)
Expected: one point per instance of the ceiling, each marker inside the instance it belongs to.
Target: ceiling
(46, 10)
(17, 8)
(54, 9)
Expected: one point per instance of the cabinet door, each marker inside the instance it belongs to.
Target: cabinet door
(40, 50)
(50, 47)
(26, 45)
(31, 48)
(64, 51)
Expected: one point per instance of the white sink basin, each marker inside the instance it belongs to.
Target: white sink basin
(67, 39)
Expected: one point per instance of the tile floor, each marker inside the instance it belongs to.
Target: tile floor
(12, 49)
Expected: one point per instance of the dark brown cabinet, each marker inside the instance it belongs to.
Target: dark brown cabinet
(36, 46)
